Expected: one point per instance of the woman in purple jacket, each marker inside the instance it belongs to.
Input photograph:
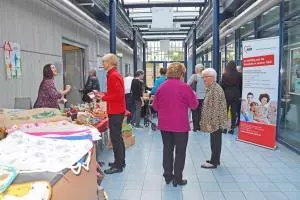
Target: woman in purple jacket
(48, 96)
(172, 101)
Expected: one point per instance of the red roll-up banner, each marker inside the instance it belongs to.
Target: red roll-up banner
(260, 92)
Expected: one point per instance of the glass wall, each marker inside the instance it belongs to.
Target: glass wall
(149, 74)
(290, 107)
(267, 25)
(175, 51)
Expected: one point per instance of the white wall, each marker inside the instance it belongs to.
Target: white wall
(40, 31)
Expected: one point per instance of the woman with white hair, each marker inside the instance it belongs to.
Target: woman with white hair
(214, 116)
(197, 83)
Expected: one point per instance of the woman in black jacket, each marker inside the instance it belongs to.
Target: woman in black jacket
(92, 84)
(232, 85)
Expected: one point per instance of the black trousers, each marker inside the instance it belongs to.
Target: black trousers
(196, 115)
(128, 99)
(115, 127)
(234, 107)
(173, 140)
(216, 146)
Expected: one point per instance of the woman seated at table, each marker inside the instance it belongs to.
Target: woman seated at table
(48, 96)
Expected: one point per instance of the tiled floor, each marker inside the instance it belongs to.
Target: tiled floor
(247, 172)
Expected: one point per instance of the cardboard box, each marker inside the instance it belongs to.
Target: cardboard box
(127, 134)
(129, 141)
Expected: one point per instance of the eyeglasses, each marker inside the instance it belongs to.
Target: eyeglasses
(207, 76)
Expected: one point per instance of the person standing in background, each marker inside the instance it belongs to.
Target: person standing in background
(128, 95)
(197, 83)
(115, 98)
(214, 116)
(137, 90)
(92, 84)
(159, 80)
(232, 85)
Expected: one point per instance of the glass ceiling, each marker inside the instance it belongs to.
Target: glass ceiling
(184, 17)
(159, 1)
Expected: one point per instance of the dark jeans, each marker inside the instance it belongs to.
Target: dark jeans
(170, 141)
(216, 146)
(128, 98)
(196, 115)
(137, 111)
(234, 107)
(115, 127)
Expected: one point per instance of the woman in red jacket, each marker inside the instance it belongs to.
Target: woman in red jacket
(115, 98)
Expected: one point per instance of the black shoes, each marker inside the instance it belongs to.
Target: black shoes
(111, 164)
(181, 182)
(208, 161)
(231, 132)
(113, 170)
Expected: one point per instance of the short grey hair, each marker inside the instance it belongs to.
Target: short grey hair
(210, 71)
(93, 71)
(199, 67)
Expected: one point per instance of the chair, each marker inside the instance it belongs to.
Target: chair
(23, 103)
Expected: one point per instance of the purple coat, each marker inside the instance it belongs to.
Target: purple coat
(48, 95)
(172, 101)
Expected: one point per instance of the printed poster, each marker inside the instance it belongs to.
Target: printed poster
(12, 59)
(260, 92)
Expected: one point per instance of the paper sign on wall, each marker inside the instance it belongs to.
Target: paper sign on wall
(12, 59)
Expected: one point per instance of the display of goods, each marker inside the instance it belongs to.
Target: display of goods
(84, 118)
(7, 176)
(99, 113)
(28, 191)
(9, 118)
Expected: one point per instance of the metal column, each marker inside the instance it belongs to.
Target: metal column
(216, 45)
(206, 58)
(113, 29)
(281, 29)
(225, 52)
(185, 58)
(256, 35)
(202, 55)
(134, 51)
(237, 47)
(194, 50)
(144, 61)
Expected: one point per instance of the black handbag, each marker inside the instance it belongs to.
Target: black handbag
(194, 85)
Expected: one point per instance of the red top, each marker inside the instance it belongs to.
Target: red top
(115, 95)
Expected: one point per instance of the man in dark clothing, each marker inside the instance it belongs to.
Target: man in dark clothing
(137, 90)
(91, 84)
(115, 98)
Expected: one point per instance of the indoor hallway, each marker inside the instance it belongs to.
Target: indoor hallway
(247, 172)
